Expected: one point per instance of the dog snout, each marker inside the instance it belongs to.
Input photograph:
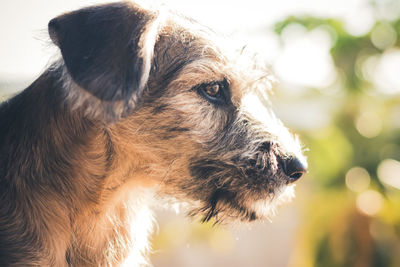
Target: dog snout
(293, 168)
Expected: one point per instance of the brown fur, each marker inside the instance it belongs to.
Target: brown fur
(124, 115)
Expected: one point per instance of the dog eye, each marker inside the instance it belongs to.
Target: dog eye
(212, 90)
(215, 92)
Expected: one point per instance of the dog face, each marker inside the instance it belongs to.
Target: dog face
(181, 112)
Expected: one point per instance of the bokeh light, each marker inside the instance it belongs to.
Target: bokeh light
(383, 36)
(357, 179)
(369, 124)
(305, 60)
(389, 172)
(386, 75)
(338, 63)
(369, 202)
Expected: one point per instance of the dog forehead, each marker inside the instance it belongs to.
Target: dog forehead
(182, 56)
(187, 53)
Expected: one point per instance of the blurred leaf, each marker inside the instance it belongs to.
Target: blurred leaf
(334, 231)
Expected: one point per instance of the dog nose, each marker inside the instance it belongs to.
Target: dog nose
(294, 169)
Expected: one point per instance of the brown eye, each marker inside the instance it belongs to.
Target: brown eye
(212, 89)
(215, 92)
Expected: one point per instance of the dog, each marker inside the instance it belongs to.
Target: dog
(142, 104)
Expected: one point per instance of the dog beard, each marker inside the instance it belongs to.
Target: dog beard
(225, 207)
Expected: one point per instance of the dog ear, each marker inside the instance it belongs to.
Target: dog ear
(102, 50)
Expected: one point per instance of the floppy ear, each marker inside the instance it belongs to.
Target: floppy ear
(101, 49)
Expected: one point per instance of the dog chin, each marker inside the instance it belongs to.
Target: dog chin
(266, 208)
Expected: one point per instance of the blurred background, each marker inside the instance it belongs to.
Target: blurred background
(339, 67)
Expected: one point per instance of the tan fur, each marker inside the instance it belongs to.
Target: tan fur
(115, 158)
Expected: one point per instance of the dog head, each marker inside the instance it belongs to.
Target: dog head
(182, 112)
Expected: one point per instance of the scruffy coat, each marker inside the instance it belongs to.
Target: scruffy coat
(124, 113)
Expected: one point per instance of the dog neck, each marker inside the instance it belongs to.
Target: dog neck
(59, 184)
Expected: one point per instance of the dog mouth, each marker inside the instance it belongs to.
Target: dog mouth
(247, 189)
(225, 206)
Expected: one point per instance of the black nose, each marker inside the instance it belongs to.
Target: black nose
(293, 168)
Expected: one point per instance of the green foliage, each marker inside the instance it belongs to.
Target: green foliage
(340, 226)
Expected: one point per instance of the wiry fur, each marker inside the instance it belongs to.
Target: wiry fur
(85, 147)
